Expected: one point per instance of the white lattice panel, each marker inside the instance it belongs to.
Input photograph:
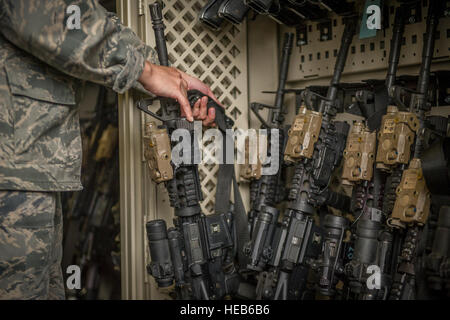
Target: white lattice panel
(219, 59)
(316, 59)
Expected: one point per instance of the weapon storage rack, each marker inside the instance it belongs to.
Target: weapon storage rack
(316, 58)
(238, 63)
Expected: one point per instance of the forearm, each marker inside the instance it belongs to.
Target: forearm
(101, 51)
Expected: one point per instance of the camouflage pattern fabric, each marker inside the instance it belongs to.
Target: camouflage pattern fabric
(30, 245)
(42, 64)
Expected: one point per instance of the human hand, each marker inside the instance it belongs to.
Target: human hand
(172, 83)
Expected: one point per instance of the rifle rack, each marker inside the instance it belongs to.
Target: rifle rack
(238, 63)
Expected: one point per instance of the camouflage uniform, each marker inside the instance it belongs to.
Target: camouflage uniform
(30, 245)
(42, 67)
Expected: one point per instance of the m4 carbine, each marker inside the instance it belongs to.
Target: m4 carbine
(412, 202)
(267, 189)
(198, 253)
(315, 146)
(372, 241)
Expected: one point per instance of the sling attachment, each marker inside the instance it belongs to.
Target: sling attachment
(225, 178)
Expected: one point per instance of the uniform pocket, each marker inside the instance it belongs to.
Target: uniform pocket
(30, 78)
(44, 114)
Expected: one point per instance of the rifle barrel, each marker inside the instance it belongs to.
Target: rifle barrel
(346, 41)
(158, 27)
(428, 49)
(420, 105)
(284, 69)
(396, 46)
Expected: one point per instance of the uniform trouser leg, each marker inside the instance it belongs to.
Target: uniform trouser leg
(30, 245)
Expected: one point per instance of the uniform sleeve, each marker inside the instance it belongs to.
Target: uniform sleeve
(101, 50)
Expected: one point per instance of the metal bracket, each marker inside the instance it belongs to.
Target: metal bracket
(400, 95)
(301, 35)
(255, 107)
(144, 103)
(325, 30)
(413, 13)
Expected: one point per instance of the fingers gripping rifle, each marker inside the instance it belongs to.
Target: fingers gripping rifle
(267, 191)
(315, 146)
(196, 251)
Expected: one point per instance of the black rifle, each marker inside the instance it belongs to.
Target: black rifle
(403, 287)
(233, 10)
(215, 12)
(279, 10)
(198, 252)
(299, 237)
(267, 191)
(209, 15)
(294, 12)
(259, 6)
(373, 242)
